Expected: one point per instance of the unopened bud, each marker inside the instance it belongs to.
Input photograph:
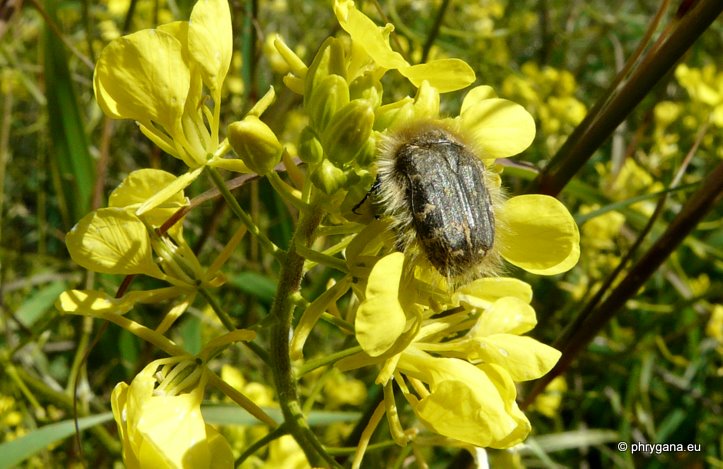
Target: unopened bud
(255, 143)
(327, 97)
(348, 132)
(310, 150)
(328, 177)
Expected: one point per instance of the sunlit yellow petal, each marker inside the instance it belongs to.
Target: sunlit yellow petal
(523, 358)
(173, 431)
(143, 184)
(444, 74)
(169, 191)
(373, 39)
(97, 303)
(118, 400)
(507, 389)
(475, 95)
(219, 449)
(540, 235)
(210, 41)
(143, 77)
(464, 403)
(90, 301)
(482, 292)
(499, 127)
(380, 319)
(507, 315)
(426, 102)
(112, 241)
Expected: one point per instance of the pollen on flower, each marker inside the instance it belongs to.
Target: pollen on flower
(437, 192)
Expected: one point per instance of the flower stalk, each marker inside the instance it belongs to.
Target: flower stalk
(292, 271)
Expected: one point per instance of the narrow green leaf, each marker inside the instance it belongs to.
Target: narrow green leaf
(38, 303)
(69, 149)
(255, 285)
(235, 415)
(16, 451)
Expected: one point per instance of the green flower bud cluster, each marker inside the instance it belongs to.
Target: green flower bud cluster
(338, 144)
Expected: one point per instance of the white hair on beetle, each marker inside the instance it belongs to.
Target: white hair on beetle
(457, 266)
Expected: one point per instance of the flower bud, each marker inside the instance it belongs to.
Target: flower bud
(348, 133)
(367, 154)
(310, 150)
(255, 143)
(327, 97)
(329, 60)
(393, 114)
(367, 86)
(328, 177)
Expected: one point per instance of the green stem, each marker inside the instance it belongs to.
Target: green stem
(292, 270)
(316, 257)
(218, 309)
(260, 443)
(245, 218)
(324, 360)
(286, 192)
(434, 32)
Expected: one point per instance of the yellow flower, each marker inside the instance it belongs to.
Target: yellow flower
(705, 85)
(114, 240)
(714, 328)
(461, 365)
(159, 418)
(444, 74)
(548, 402)
(157, 77)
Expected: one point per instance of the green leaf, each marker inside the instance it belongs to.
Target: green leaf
(255, 285)
(16, 451)
(38, 303)
(235, 415)
(71, 161)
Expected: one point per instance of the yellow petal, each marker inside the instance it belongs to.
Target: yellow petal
(444, 74)
(143, 77)
(464, 403)
(90, 302)
(169, 191)
(373, 39)
(426, 102)
(118, 402)
(112, 241)
(99, 304)
(507, 315)
(507, 389)
(143, 184)
(210, 41)
(173, 432)
(475, 95)
(499, 127)
(221, 453)
(380, 319)
(166, 430)
(482, 292)
(523, 358)
(540, 235)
